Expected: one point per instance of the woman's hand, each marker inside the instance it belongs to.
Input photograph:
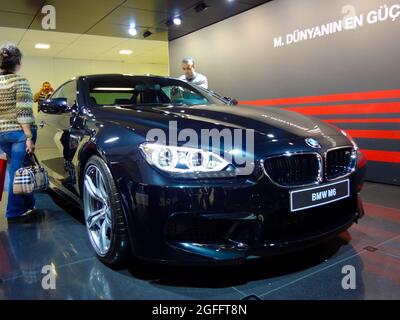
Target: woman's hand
(30, 146)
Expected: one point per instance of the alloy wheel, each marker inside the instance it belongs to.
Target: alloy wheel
(97, 210)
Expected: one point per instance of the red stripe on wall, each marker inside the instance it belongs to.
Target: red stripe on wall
(375, 134)
(384, 94)
(382, 156)
(368, 108)
(363, 120)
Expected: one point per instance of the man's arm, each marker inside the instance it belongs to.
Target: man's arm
(36, 97)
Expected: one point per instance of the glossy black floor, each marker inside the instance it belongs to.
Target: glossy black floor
(58, 238)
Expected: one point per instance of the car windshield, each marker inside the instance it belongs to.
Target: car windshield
(128, 90)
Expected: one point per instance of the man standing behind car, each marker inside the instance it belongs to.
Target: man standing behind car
(191, 76)
(45, 91)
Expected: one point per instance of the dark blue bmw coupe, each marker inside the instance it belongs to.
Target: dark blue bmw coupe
(173, 173)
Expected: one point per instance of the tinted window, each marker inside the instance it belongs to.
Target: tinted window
(67, 91)
(179, 94)
(128, 90)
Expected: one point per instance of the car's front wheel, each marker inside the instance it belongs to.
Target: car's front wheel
(105, 222)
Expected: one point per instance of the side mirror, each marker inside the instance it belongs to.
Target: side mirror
(55, 106)
(232, 101)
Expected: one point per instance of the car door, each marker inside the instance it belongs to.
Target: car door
(53, 143)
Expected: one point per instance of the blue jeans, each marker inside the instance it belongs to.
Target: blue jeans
(13, 143)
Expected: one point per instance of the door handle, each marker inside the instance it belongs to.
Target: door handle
(41, 124)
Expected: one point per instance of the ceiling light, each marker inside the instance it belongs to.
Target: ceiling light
(147, 33)
(132, 30)
(201, 6)
(177, 21)
(42, 46)
(125, 52)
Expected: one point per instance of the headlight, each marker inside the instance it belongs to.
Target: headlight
(186, 162)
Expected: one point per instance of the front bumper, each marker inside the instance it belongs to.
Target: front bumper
(227, 223)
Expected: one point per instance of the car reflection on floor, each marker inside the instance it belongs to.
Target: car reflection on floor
(57, 239)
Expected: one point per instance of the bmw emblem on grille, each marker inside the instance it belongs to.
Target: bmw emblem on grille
(313, 143)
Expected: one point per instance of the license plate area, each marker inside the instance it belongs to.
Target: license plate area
(318, 196)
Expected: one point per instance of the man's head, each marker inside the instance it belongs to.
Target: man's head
(188, 68)
(46, 86)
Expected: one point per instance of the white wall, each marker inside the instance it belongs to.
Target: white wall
(38, 70)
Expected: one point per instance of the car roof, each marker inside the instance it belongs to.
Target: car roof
(110, 75)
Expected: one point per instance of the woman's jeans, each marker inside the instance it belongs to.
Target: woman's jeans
(13, 143)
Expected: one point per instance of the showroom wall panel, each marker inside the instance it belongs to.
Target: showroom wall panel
(338, 60)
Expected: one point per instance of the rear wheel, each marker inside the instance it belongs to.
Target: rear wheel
(104, 219)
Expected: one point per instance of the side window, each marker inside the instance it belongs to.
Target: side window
(68, 91)
(57, 93)
(178, 94)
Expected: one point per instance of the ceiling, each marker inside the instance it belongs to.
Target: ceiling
(98, 29)
(86, 46)
(111, 18)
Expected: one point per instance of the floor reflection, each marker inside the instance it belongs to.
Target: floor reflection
(57, 238)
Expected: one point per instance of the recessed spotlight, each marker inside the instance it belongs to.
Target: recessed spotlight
(201, 6)
(126, 52)
(177, 21)
(147, 33)
(42, 46)
(132, 29)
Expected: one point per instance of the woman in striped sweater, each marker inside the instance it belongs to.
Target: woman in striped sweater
(17, 125)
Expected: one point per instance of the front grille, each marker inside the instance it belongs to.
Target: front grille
(294, 170)
(339, 162)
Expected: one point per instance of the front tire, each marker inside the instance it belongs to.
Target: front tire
(104, 218)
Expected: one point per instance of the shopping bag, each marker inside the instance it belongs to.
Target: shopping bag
(30, 179)
(3, 168)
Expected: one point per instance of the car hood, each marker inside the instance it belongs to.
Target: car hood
(268, 123)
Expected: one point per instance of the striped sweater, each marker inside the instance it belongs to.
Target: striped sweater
(16, 102)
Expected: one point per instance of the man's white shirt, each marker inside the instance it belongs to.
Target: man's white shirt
(198, 79)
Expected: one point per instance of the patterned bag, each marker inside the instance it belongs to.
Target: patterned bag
(30, 179)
